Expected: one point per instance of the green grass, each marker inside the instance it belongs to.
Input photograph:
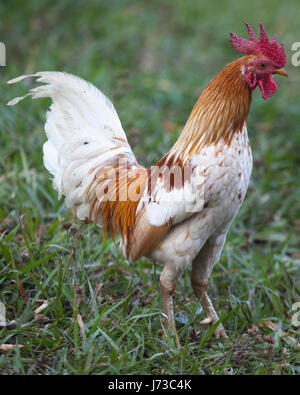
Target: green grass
(103, 315)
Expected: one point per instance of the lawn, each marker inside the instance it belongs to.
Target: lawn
(79, 307)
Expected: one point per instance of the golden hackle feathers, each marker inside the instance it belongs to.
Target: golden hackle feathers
(221, 110)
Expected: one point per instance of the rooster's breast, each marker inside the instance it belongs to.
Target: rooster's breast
(226, 170)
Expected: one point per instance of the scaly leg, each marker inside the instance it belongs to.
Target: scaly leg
(212, 316)
(201, 270)
(168, 281)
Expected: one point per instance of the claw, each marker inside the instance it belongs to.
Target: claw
(206, 321)
(220, 333)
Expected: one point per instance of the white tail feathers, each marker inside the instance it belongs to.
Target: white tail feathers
(83, 130)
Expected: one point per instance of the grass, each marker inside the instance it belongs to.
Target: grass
(100, 314)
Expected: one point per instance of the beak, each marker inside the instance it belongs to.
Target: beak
(281, 72)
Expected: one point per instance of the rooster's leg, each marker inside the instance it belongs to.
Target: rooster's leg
(168, 281)
(212, 316)
(201, 270)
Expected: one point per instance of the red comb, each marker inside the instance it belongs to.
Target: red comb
(263, 46)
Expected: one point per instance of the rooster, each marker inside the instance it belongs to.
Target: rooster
(178, 211)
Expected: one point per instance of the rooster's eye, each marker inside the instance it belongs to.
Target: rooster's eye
(262, 65)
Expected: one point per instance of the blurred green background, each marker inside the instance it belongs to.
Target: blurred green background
(152, 59)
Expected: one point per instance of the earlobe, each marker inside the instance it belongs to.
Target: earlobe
(251, 80)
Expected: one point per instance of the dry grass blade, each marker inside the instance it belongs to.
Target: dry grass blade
(5, 348)
(81, 327)
(95, 293)
(8, 324)
(42, 307)
(271, 325)
(22, 291)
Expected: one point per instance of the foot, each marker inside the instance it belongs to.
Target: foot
(220, 332)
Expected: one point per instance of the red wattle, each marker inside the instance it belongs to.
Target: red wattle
(267, 86)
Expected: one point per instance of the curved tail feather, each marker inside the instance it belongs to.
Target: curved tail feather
(85, 142)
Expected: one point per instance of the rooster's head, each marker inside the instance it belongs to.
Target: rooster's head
(268, 58)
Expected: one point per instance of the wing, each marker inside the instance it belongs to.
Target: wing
(173, 192)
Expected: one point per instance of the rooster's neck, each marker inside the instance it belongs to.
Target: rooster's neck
(220, 112)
